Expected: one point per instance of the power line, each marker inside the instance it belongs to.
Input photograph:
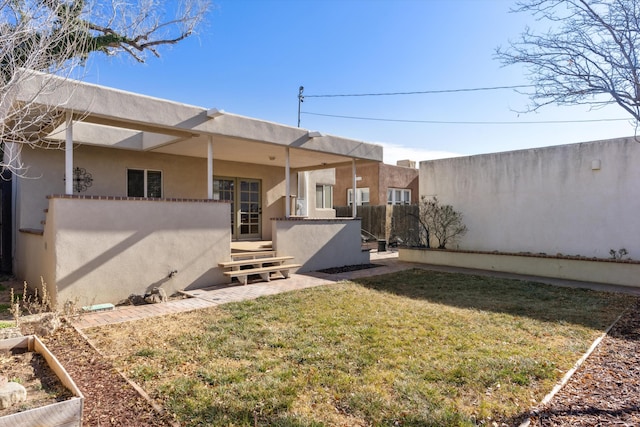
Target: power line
(463, 122)
(422, 92)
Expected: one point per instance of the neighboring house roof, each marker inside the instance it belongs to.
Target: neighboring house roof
(118, 119)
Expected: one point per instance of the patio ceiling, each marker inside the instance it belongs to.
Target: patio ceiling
(224, 147)
(237, 150)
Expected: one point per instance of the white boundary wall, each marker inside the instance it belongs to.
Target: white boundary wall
(578, 199)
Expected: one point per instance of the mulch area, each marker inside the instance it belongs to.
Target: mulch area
(109, 399)
(605, 391)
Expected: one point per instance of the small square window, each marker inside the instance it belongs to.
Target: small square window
(397, 196)
(362, 196)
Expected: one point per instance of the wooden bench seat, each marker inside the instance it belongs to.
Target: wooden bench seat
(264, 272)
(255, 262)
(252, 255)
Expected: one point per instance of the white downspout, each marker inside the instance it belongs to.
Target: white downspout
(68, 155)
(210, 168)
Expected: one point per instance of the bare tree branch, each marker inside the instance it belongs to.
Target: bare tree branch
(55, 37)
(589, 56)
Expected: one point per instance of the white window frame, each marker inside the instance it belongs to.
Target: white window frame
(323, 203)
(362, 196)
(146, 182)
(398, 196)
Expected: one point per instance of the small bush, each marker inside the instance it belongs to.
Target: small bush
(619, 254)
(441, 222)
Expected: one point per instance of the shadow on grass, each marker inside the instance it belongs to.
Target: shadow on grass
(515, 297)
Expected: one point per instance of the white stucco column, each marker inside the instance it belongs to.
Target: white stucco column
(354, 209)
(210, 168)
(68, 156)
(287, 185)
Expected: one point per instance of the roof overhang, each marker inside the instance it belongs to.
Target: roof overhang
(116, 119)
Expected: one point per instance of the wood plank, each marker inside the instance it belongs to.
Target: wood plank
(241, 263)
(243, 275)
(251, 255)
(250, 271)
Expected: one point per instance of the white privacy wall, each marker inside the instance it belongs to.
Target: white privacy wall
(578, 199)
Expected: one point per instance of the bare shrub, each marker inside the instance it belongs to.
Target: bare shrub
(441, 222)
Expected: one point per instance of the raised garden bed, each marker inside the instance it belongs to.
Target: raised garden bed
(597, 270)
(53, 399)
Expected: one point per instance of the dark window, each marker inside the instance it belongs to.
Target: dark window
(154, 184)
(135, 183)
(144, 183)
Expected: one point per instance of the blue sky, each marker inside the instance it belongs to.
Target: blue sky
(251, 56)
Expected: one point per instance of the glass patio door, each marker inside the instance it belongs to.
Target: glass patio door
(250, 209)
(246, 206)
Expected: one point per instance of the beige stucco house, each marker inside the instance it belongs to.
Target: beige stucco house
(145, 192)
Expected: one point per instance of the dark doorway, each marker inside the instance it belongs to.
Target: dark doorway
(6, 235)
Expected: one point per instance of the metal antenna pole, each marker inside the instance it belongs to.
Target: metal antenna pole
(300, 101)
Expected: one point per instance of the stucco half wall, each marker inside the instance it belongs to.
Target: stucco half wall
(578, 199)
(584, 270)
(103, 249)
(320, 243)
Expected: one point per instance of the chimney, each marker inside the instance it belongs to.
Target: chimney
(407, 163)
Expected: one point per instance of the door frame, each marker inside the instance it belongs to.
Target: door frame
(240, 219)
(252, 217)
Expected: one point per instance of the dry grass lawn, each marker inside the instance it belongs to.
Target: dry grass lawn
(416, 348)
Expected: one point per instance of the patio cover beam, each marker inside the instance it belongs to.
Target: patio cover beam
(101, 135)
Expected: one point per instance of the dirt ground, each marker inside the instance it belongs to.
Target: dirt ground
(31, 371)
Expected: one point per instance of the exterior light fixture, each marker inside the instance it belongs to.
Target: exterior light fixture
(214, 112)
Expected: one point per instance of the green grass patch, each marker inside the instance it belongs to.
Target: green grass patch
(416, 348)
(6, 324)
